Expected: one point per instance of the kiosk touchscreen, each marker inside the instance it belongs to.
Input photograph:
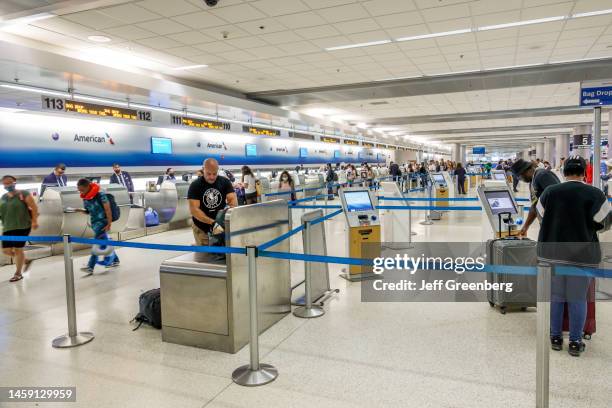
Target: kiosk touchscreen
(359, 205)
(439, 179)
(498, 178)
(500, 207)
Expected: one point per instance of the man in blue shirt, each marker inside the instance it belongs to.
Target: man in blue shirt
(98, 207)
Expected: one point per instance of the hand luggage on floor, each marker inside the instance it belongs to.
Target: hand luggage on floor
(151, 217)
(589, 325)
(150, 309)
(512, 252)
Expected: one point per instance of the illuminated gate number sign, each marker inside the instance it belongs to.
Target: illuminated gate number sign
(67, 105)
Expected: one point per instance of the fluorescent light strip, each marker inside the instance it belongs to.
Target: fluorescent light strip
(592, 13)
(35, 90)
(521, 23)
(359, 45)
(434, 35)
(161, 109)
(190, 67)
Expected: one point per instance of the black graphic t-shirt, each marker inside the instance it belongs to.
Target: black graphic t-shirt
(211, 197)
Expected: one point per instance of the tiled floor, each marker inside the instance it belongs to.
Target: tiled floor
(357, 355)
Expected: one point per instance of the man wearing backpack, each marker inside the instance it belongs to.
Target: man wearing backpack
(100, 209)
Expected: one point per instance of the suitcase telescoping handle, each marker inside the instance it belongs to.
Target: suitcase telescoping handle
(499, 219)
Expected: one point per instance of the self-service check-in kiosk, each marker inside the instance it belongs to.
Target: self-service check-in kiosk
(498, 178)
(501, 209)
(441, 189)
(359, 205)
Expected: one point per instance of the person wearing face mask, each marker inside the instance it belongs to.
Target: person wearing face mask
(286, 183)
(122, 177)
(19, 215)
(56, 179)
(169, 176)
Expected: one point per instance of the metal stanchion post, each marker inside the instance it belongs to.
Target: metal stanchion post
(428, 220)
(73, 338)
(543, 335)
(308, 311)
(326, 198)
(254, 373)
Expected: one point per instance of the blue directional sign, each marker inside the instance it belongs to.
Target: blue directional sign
(596, 93)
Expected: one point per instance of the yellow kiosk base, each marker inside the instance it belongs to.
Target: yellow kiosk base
(441, 192)
(364, 242)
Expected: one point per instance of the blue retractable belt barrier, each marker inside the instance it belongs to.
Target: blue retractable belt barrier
(427, 207)
(294, 231)
(583, 271)
(282, 193)
(301, 200)
(315, 258)
(283, 237)
(21, 238)
(161, 247)
(316, 206)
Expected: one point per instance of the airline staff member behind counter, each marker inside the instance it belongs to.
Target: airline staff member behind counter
(207, 196)
(122, 177)
(169, 176)
(538, 179)
(56, 179)
(572, 214)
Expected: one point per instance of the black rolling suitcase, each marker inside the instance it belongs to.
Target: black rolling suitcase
(512, 252)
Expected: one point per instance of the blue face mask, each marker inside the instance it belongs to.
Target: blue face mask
(10, 188)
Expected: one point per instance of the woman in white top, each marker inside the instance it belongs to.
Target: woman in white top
(248, 182)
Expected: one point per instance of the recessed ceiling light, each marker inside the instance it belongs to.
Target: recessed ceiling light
(186, 67)
(434, 35)
(99, 38)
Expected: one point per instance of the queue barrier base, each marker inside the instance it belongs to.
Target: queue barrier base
(67, 341)
(247, 377)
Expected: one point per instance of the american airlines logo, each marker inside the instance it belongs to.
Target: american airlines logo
(217, 146)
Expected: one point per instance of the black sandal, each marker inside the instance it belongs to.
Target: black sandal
(16, 278)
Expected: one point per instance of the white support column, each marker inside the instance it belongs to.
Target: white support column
(561, 149)
(456, 152)
(549, 150)
(539, 150)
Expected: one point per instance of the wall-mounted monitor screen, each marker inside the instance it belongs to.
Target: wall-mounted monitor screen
(358, 201)
(250, 150)
(478, 150)
(303, 152)
(161, 145)
(500, 202)
(336, 154)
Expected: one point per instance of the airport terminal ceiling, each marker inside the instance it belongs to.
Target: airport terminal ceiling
(414, 71)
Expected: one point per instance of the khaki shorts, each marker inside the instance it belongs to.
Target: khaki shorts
(201, 237)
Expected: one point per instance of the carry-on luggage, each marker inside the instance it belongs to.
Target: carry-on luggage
(149, 312)
(589, 325)
(512, 251)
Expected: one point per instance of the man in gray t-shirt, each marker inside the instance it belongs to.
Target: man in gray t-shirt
(538, 180)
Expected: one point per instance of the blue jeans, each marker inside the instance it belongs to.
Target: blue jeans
(573, 290)
(108, 259)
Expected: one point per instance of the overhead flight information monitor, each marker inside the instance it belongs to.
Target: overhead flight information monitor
(85, 108)
(359, 205)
